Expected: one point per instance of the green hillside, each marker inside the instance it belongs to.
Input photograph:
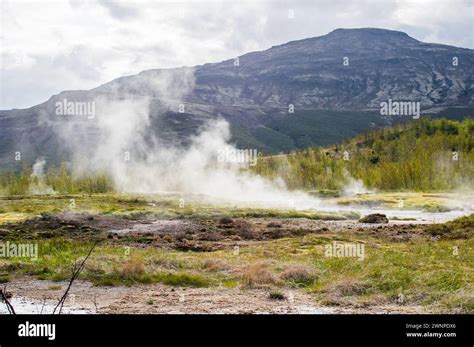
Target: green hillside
(425, 155)
(283, 133)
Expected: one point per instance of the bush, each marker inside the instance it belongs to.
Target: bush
(299, 275)
(275, 295)
(258, 274)
(133, 267)
(182, 279)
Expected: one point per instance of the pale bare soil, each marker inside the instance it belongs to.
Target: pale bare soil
(35, 296)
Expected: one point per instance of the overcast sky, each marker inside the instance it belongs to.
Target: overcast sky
(50, 46)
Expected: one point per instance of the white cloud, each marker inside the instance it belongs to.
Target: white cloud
(50, 46)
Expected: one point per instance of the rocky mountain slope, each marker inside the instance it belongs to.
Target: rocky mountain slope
(334, 85)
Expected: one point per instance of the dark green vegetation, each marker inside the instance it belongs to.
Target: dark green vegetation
(308, 128)
(426, 155)
(305, 128)
(459, 228)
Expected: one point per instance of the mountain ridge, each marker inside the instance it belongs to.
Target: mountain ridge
(331, 100)
(339, 32)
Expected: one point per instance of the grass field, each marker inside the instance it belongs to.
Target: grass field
(208, 246)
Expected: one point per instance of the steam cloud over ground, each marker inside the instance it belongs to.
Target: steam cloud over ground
(143, 163)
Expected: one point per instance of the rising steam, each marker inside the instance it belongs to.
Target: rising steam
(38, 185)
(140, 162)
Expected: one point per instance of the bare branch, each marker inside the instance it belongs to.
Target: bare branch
(94, 301)
(42, 306)
(4, 296)
(76, 270)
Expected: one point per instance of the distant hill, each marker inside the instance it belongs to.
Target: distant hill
(335, 83)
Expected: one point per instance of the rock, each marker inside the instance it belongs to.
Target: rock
(226, 221)
(374, 218)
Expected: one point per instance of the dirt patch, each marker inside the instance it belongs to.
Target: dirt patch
(103, 222)
(157, 298)
(47, 227)
(199, 236)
